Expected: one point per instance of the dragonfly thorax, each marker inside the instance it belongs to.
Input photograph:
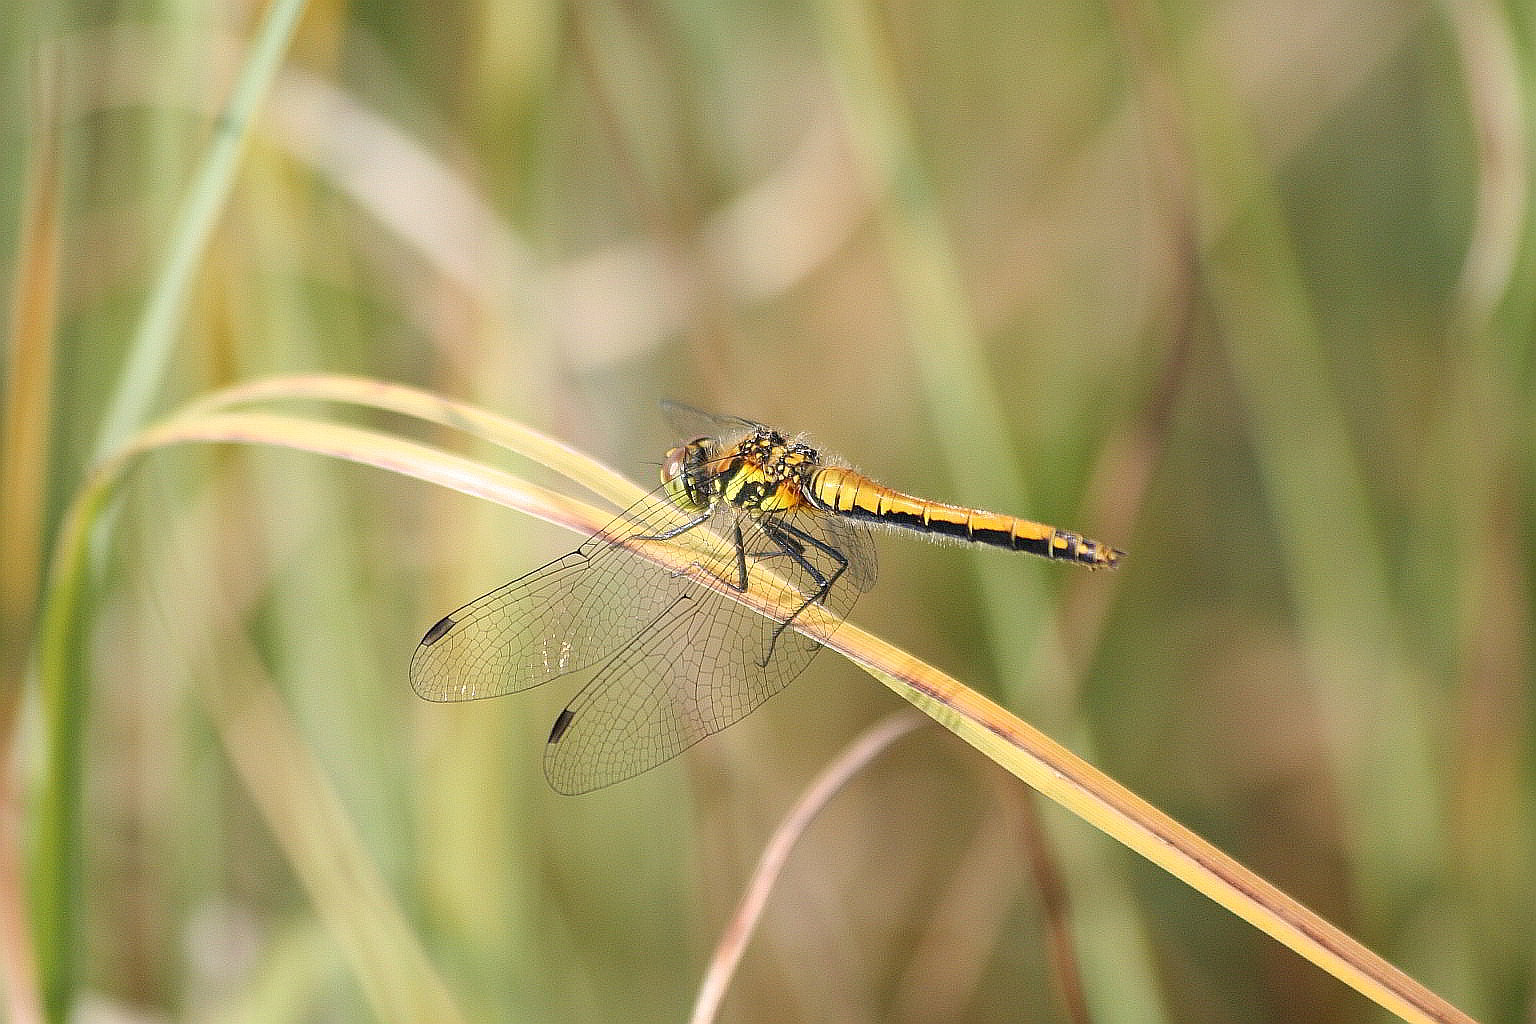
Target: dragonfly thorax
(762, 472)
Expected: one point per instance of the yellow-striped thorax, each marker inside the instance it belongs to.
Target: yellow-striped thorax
(763, 472)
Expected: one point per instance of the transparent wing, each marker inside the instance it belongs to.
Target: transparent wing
(689, 423)
(561, 618)
(705, 661)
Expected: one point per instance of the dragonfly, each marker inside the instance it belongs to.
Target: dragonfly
(670, 655)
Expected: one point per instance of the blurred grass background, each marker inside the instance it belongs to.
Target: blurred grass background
(1242, 288)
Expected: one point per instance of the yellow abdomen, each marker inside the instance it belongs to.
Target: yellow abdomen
(849, 493)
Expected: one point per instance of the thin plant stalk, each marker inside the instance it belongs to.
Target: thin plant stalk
(770, 865)
(213, 182)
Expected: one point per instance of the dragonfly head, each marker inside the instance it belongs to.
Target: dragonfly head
(682, 476)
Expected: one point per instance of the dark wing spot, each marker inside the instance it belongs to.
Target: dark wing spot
(562, 723)
(435, 634)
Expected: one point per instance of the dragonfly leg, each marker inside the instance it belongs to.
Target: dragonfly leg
(676, 531)
(792, 542)
(673, 534)
(741, 562)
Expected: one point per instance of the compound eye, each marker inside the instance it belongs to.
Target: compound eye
(673, 465)
(680, 472)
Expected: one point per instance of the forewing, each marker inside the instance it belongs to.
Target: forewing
(689, 423)
(707, 661)
(561, 618)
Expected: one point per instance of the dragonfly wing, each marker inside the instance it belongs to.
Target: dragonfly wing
(561, 618)
(690, 423)
(692, 674)
(706, 661)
